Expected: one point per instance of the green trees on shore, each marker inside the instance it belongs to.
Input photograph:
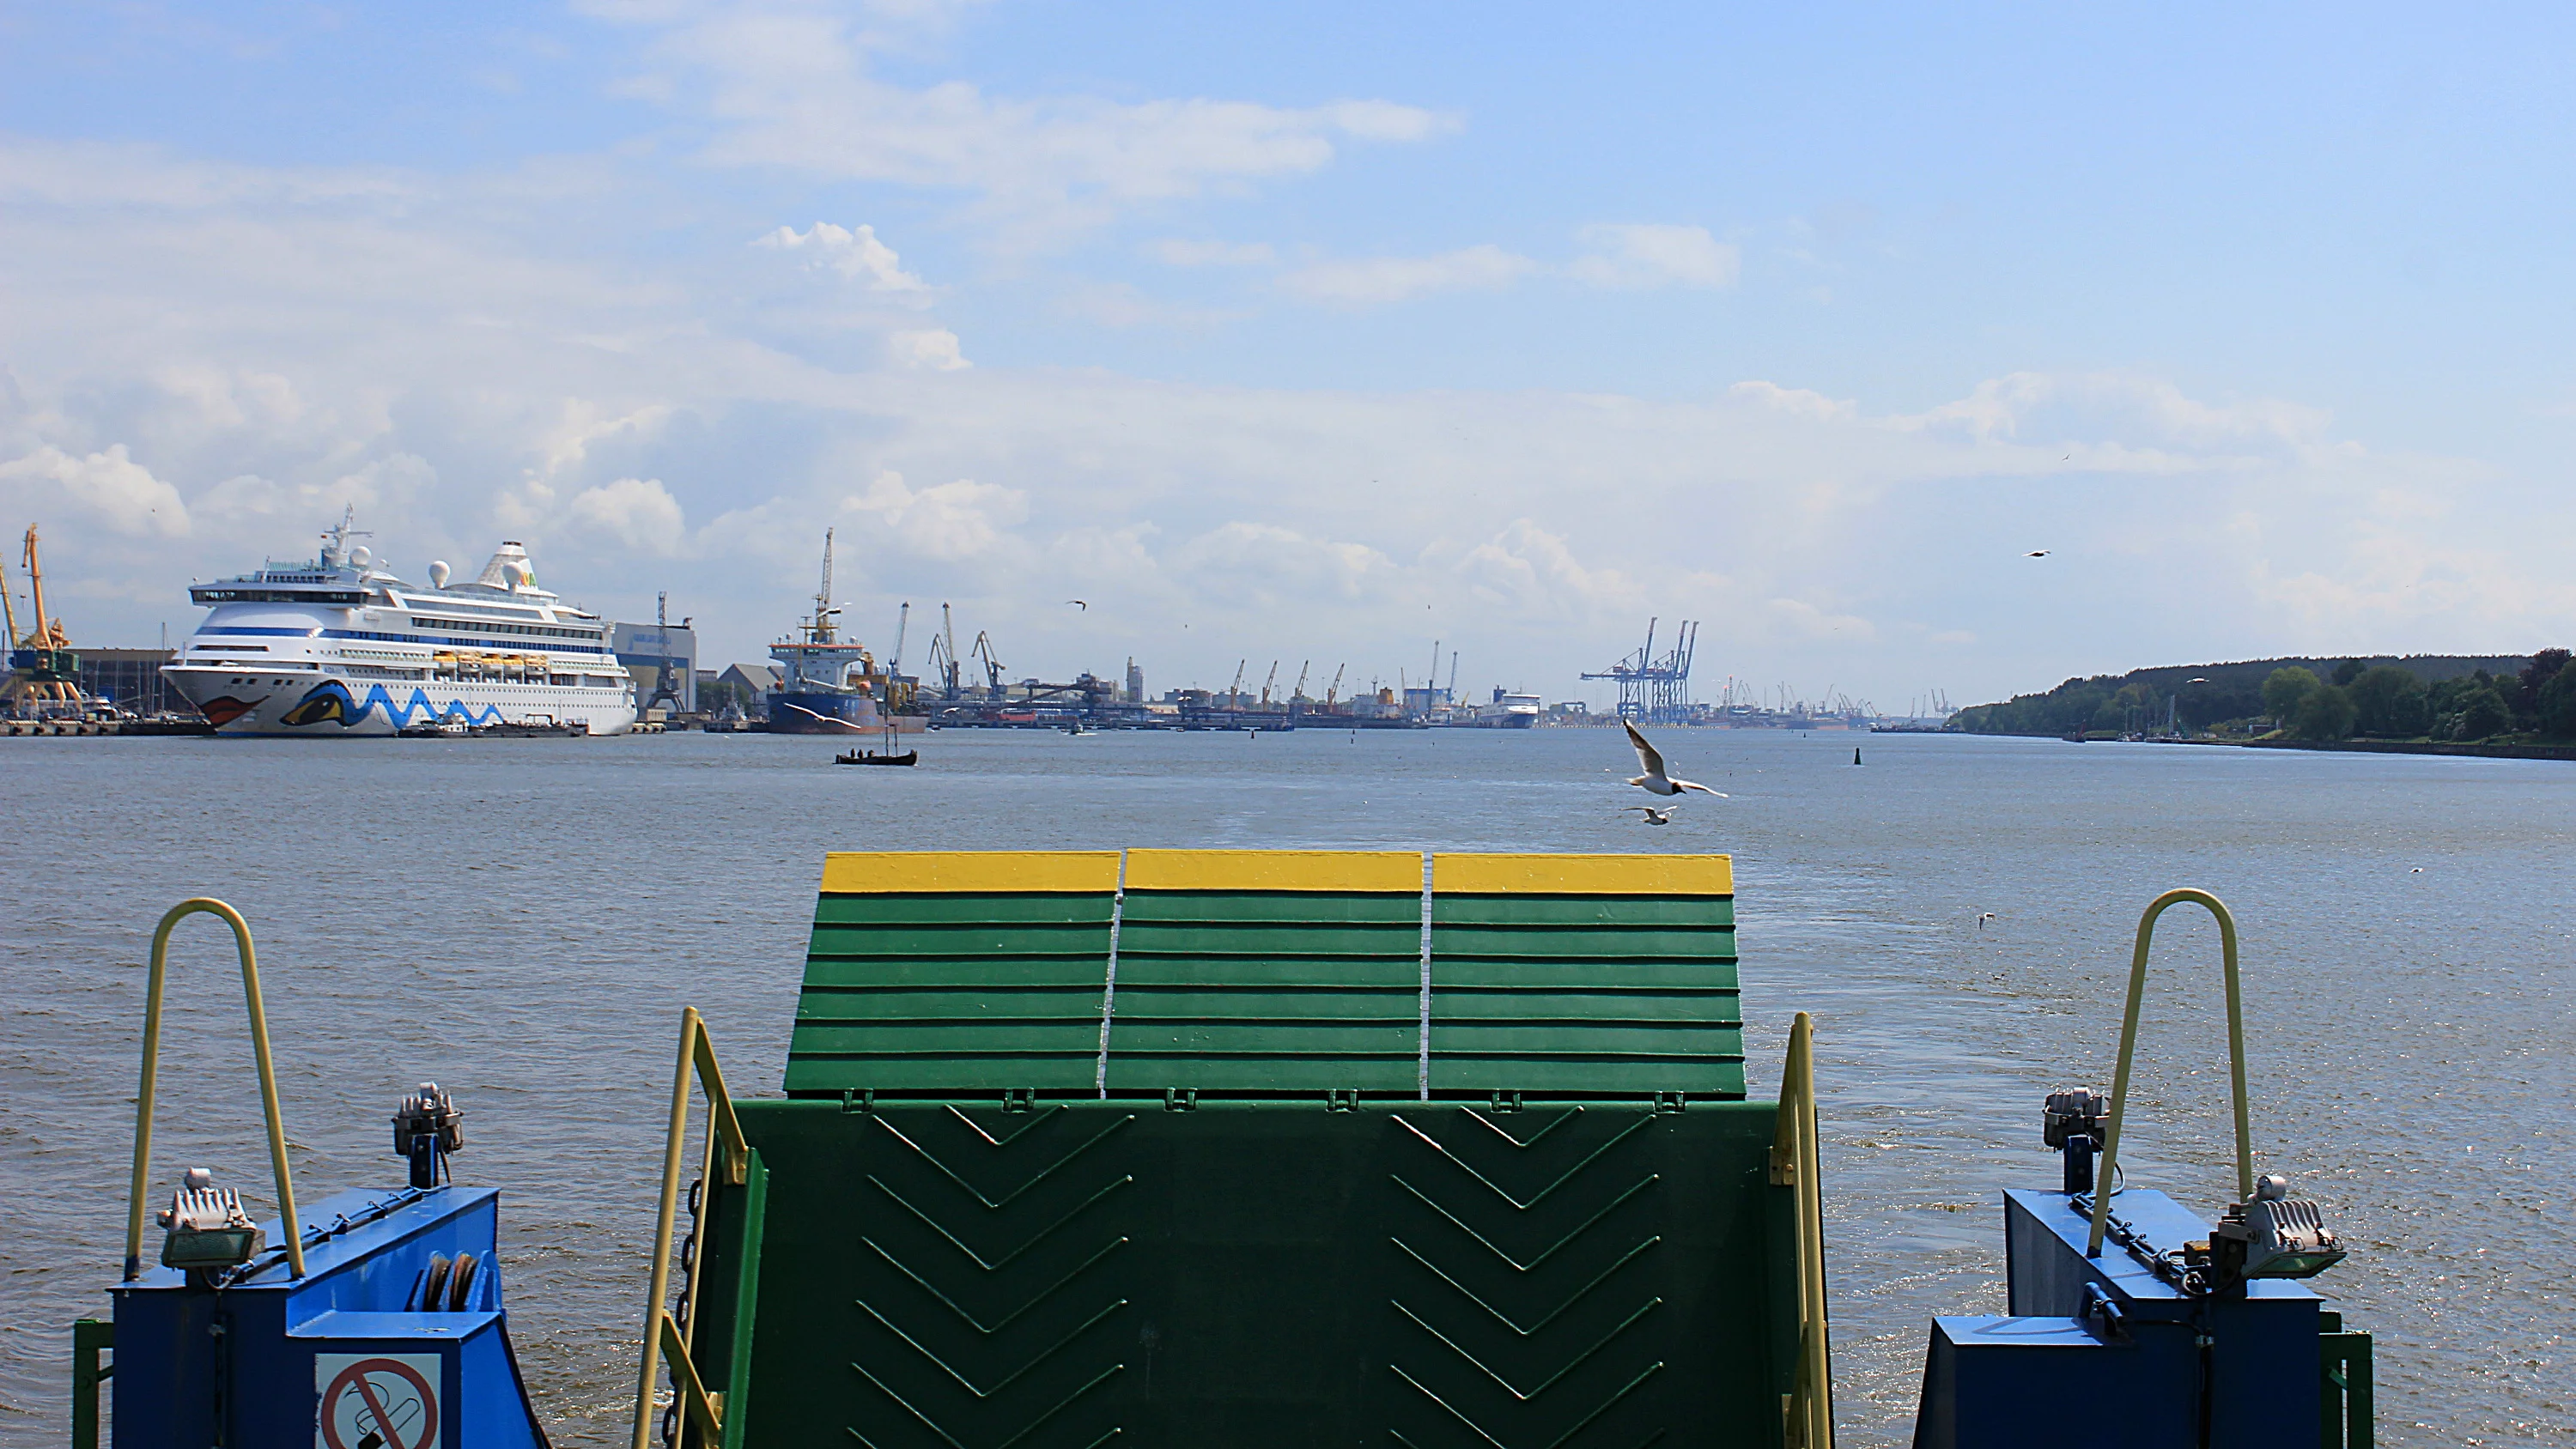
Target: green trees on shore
(2391, 703)
(2424, 697)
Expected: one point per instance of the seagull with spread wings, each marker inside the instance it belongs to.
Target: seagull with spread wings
(1653, 815)
(1655, 781)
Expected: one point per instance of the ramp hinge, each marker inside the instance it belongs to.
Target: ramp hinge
(1507, 1101)
(854, 1100)
(1018, 1099)
(1180, 1099)
(1342, 1099)
(1784, 1169)
(1668, 1101)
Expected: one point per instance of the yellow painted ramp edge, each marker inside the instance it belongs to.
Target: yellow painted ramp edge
(1582, 875)
(970, 872)
(1389, 872)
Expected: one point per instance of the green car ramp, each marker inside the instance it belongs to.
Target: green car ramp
(1249, 1148)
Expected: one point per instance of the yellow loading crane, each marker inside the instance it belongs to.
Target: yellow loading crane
(44, 674)
(1335, 688)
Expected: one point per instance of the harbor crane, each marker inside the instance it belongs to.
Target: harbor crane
(943, 656)
(1234, 691)
(44, 674)
(666, 691)
(983, 650)
(902, 624)
(1267, 683)
(1300, 691)
(1335, 688)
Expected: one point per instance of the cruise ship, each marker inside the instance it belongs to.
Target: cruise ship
(337, 646)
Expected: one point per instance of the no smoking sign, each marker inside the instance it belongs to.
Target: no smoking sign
(376, 1401)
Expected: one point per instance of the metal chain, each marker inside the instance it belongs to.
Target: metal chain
(680, 1311)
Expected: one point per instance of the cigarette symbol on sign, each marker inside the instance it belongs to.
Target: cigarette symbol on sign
(379, 1403)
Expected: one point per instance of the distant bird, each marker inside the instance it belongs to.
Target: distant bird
(1654, 781)
(1083, 605)
(1984, 917)
(2419, 870)
(2036, 553)
(1653, 815)
(2069, 458)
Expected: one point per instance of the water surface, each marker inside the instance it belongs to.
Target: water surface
(523, 920)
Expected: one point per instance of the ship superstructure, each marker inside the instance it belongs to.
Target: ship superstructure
(338, 646)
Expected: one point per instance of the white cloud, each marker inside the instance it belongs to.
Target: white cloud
(1646, 255)
(1182, 253)
(1528, 570)
(1797, 401)
(792, 87)
(637, 512)
(1263, 565)
(935, 349)
(1393, 279)
(857, 255)
(949, 521)
(108, 485)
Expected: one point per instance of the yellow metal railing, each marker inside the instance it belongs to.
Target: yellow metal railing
(727, 1160)
(294, 1226)
(2129, 1046)
(1807, 1411)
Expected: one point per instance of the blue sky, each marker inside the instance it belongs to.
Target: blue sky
(1323, 331)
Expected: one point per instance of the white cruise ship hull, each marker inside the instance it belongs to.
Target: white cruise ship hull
(308, 704)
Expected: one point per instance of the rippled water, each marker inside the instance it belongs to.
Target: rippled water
(522, 920)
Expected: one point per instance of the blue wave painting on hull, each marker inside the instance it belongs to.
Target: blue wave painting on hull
(331, 703)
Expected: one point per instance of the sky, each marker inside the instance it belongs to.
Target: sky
(1321, 333)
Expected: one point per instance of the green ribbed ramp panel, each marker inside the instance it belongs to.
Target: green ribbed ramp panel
(1063, 1167)
(1584, 976)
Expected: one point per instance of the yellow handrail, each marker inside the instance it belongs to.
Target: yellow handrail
(728, 1157)
(2129, 1045)
(1796, 1162)
(152, 1065)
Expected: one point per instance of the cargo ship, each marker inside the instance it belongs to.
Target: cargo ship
(830, 685)
(1081, 1148)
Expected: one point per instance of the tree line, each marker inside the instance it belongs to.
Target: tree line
(2427, 697)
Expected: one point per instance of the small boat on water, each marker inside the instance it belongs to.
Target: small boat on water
(1226, 1200)
(872, 757)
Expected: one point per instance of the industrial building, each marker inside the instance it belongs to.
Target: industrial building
(643, 648)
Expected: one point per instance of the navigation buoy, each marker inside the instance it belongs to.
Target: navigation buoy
(1855, 754)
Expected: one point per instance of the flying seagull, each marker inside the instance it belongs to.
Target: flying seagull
(1654, 781)
(1653, 815)
(1082, 604)
(2036, 553)
(1982, 919)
